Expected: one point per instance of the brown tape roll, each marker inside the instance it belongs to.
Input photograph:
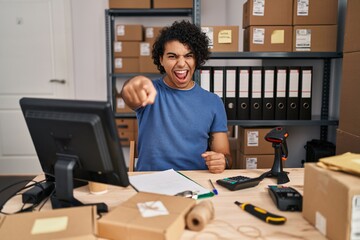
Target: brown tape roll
(200, 215)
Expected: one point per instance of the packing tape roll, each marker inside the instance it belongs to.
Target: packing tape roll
(200, 215)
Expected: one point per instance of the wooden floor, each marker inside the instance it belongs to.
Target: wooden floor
(17, 181)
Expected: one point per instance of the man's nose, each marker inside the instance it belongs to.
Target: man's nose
(181, 61)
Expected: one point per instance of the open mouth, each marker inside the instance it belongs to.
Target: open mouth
(181, 74)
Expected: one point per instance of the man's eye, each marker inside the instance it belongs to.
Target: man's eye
(189, 56)
(171, 56)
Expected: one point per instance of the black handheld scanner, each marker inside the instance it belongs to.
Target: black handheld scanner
(278, 135)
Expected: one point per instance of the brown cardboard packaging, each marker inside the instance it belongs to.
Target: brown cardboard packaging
(273, 12)
(347, 142)
(126, 130)
(252, 141)
(316, 12)
(54, 224)
(125, 222)
(349, 117)
(146, 63)
(255, 161)
(352, 27)
(129, 3)
(126, 65)
(151, 34)
(121, 107)
(321, 38)
(331, 202)
(126, 32)
(222, 38)
(268, 39)
(126, 49)
(173, 3)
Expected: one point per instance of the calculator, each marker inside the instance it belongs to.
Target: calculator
(239, 182)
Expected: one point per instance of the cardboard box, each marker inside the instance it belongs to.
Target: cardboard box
(54, 224)
(352, 27)
(349, 116)
(252, 141)
(126, 49)
(347, 142)
(146, 63)
(268, 39)
(151, 33)
(121, 107)
(126, 221)
(129, 3)
(124, 32)
(125, 124)
(126, 65)
(322, 38)
(255, 161)
(274, 12)
(331, 202)
(315, 12)
(173, 4)
(222, 38)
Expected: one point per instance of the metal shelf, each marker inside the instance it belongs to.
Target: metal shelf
(275, 55)
(186, 12)
(266, 123)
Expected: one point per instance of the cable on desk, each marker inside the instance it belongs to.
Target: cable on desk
(19, 192)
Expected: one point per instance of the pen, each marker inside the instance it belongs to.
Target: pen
(213, 187)
(261, 213)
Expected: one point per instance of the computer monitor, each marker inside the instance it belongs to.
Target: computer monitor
(75, 139)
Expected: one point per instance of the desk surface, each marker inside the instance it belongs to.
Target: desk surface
(228, 216)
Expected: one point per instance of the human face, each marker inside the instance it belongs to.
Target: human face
(179, 64)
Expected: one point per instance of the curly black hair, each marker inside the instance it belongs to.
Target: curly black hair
(188, 34)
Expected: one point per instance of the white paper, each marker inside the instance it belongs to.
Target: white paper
(168, 182)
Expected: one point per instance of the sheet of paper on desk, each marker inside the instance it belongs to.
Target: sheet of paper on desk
(168, 182)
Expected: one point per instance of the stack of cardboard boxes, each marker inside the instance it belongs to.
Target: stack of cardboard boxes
(290, 25)
(267, 25)
(348, 133)
(254, 151)
(133, 47)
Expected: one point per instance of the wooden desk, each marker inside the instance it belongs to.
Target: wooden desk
(228, 216)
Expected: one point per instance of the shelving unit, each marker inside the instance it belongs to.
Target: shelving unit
(111, 14)
(321, 120)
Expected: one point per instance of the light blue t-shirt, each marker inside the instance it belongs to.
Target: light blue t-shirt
(174, 131)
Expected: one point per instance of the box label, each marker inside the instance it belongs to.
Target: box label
(120, 30)
(118, 47)
(253, 138)
(278, 37)
(152, 209)
(144, 49)
(320, 223)
(225, 36)
(302, 7)
(118, 63)
(258, 7)
(209, 31)
(303, 40)
(149, 32)
(258, 35)
(355, 218)
(251, 163)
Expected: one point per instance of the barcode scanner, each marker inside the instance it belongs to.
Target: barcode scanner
(277, 136)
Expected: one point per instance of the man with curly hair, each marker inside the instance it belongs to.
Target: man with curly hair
(181, 125)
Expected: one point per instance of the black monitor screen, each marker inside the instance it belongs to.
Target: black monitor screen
(76, 135)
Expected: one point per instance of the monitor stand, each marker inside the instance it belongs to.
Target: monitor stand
(277, 168)
(64, 186)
